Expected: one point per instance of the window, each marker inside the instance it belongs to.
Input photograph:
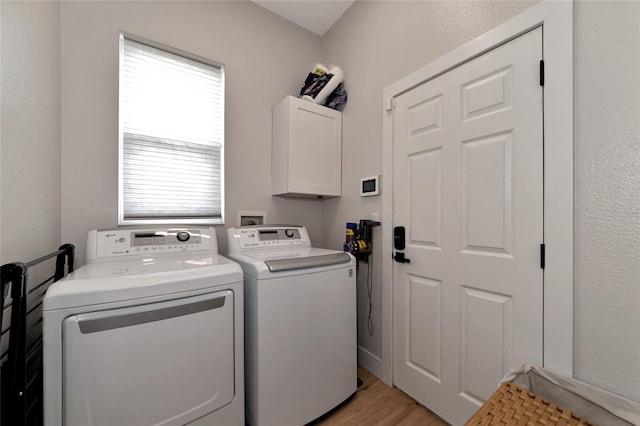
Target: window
(171, 164)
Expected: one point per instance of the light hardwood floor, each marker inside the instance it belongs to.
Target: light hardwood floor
(376, 403)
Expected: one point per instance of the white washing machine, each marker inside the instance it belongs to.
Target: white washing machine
(148, 332)
(300, 325)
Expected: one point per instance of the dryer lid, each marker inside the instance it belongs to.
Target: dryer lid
(137, 279)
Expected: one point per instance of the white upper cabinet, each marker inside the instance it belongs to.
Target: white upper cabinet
(307, 149)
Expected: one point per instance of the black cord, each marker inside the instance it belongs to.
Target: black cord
(369, 291)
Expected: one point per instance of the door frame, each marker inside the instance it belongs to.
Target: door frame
(556, 19)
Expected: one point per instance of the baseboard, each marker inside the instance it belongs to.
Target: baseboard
(370, 361)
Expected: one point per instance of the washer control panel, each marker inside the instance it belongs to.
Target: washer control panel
(273, 236)
(131, 242)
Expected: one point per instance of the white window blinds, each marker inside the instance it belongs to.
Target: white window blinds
(171, 136)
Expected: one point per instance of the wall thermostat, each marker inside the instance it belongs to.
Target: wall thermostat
(370, 186)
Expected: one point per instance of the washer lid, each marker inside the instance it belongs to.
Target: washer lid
(271, 263)
(135, 279)
(288, 264)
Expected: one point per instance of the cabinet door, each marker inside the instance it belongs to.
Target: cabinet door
(307, 149)
(315, 149)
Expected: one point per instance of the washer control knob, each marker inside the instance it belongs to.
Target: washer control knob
(289, 233)
(183, 236)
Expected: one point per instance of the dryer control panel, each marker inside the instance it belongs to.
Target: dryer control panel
(131, 242)
(271, 236)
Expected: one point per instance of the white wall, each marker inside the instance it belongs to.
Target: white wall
(30, 135)
(607, 195)
(377, 43)
(266, 58)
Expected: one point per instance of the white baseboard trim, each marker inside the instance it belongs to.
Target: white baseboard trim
(370, 361)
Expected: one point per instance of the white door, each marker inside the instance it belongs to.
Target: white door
(468, 176)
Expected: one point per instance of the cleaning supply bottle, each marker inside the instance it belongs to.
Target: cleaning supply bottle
(351, 230)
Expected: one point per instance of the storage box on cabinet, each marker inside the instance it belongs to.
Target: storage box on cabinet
(307, 149)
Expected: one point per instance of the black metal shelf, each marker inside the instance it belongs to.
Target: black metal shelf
(21, 359)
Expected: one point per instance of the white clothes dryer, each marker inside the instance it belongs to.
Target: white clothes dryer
(149, 331)
(300, 325)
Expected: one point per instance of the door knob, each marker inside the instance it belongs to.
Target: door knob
(399, 257)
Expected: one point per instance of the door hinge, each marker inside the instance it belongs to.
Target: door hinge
(389, 104)
(542, 256)
(541, 72)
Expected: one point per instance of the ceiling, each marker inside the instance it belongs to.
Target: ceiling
(316, 16)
